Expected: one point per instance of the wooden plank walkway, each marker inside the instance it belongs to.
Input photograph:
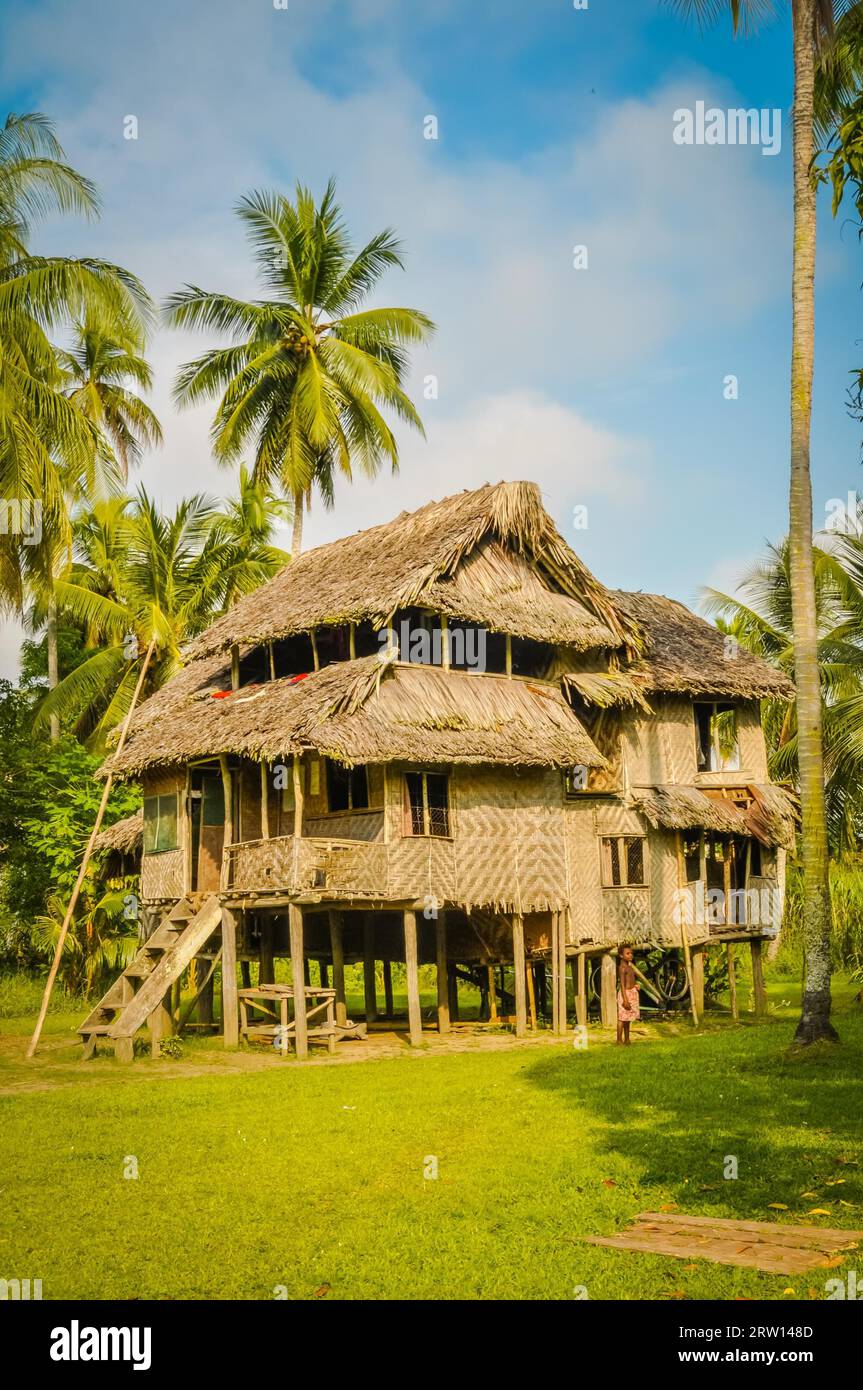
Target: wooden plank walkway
(755, 1244)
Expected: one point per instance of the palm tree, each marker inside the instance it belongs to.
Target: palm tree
(242, 538)
(47, 447)
(98, 367)
(760, 617)
(138, 574)
(308, 371)
(812, 24)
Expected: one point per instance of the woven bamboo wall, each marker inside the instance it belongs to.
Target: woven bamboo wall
(347, 825)
(162, 875)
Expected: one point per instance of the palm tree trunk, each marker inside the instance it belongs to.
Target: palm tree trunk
(53, 663)
(297, 539)
(815, 1018)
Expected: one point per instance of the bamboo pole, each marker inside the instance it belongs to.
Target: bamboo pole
(684, 936)
(85, 862)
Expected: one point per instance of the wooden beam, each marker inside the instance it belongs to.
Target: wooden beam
(732, 980)
(369, 982)
(228, 834)
(230, 1014)
(518, 965)
(608, 993)
(297, 777)
(443, 1020)
(531, 997)
(413, 983)
(298, 977)
(338, 953)
(684, 935)
(452, 991)
(759, 993)
(561, 970)
(235, 667)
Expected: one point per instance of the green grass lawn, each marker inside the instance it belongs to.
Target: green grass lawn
(313, 1178)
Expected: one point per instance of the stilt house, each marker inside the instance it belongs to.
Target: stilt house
(442, 740)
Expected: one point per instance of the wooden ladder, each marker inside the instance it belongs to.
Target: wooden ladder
(138, 992)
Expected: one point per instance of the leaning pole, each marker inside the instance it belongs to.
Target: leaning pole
(106, 792)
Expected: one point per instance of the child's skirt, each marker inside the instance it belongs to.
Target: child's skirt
(627, 1005)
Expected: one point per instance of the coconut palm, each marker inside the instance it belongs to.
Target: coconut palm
(242, 538)
(137, 575)
(47, 447)
(98, 366)
(760, 617)
(308, 371)
(812, 27)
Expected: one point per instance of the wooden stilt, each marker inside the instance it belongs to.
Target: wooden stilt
(389, 1007)
(442, 981)
(324, 973)
(581, 989)
(246, 973)
(541, 988)
(452, 991)
(492, 995)
(230, 1014)
(531, 997)
(608, 996)
(298, 975)
(205, 999)
(369, 968)
(732, 980)
(759, 993)
(160, 1024)
(684, 935)
(413, 984)
(555, 983)
(337, 948)
(266, 964)
(561, 969)
(697, 982)
(518, 967)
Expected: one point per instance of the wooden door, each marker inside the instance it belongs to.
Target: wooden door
(211, 838)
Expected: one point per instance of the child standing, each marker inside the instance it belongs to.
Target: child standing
(627, 993)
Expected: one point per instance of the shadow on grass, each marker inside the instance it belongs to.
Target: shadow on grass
(682, 1109)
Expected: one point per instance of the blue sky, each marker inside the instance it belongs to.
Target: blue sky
(555, 129)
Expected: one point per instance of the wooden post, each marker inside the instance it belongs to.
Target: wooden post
(369, 968)
(338, 950)
(452, 991)
(518, 966)
(580, 990)
(555, 967)
(413, 983)
(389, 1007)
(492, 995)
(684, 935)
(697, 982)
(608, 994)
(160, 1024)
(732, 980)
(298, 976)
(531, 997)
(759, 993)
(442, 981)
(265, 801)
(561, 969)
(186, 833)
(230, 1017)
(228, 838)
(324, 974)
(235, 667)
(266, 964)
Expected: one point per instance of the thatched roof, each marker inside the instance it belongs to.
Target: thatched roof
(684, 653)
(125, 836)
(770, 816)
(493, 555)
(361, 711)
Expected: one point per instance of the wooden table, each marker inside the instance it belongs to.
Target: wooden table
(267, 999)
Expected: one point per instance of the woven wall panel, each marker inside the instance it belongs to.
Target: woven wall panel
(626, 915)
(162, 875)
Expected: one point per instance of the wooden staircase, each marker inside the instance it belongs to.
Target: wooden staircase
(138, 992)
